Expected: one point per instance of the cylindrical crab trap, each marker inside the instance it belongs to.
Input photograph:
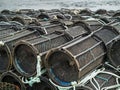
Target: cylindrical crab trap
(73, 61)
(113, 45)
(4, 32)
(49, 27)
(86, 12)
(114, 50)
(101, 12)
(11, 24)
(116, 14)
(3, 18)
(114, 53)
(95, 24)
(23, 19)
(76, 59)
(12, 78)
(26, 52)
(101, 80)
(53, 27)
(8, 86)
(104, 81)
(50, 15)
(9, 28)
(29, 12)
(7, 44)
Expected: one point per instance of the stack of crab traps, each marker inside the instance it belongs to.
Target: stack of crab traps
(59, 49)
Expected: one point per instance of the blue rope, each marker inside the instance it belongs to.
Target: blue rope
(102, 78)
(45, 19)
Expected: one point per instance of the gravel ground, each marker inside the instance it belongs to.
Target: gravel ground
(50, 4)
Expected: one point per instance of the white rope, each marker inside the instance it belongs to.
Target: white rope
(97, 83)
(35, 79)
(1, 43)
(45, 30)
(28, 17)
(91, 75)
(38, 67)
(117, 80)
(31, 81)
(105, 72)
(12, 34)
(74, 88)
(96, 87)
(118, 88)
(117, 69)
(111, 87)
(55, 17)
(114, 24)
(74, 83)
(70, 17)
(93, 84)
(106, 88)
(76, 12)
(66, 28)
